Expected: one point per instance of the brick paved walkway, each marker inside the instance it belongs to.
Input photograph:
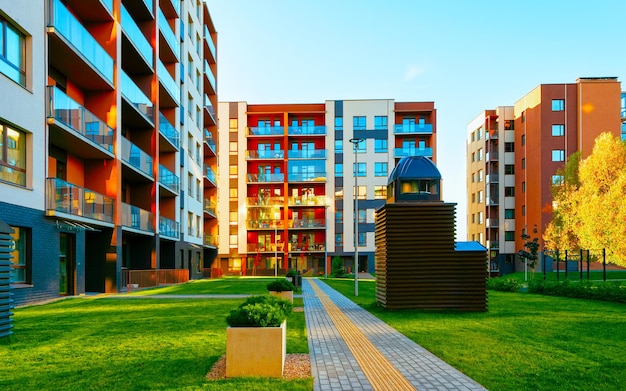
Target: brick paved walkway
(351, 349)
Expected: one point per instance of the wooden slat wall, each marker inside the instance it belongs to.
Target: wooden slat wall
(416, 262)
(6, 303)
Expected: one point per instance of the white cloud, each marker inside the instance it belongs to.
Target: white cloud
(412, 72)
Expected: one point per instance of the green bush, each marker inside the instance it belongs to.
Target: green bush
(606, 291)
(280, 286)
(260, 311)
(291, 273)
(503, 284)
(337, 268)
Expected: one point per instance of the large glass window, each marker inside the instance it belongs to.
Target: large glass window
(339, 240)
(362, 192)
(338, 216)
(12, 62)
(509, 213)
(380, 145)
(558, 130)
(558, 104)
(558, 155)
(338, 146)
(362, 216)
(380, 122)
(20, 254)
(380, 192)
(360, 170)
(338, 193)
(338, 170)
(380, 169)
(338, 123)
(362, 239)
(12, 155)
(509, 236)
(358, 123)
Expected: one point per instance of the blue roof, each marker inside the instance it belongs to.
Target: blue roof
(414, 167)
(469, 246)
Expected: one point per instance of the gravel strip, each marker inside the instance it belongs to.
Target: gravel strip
(297, 366)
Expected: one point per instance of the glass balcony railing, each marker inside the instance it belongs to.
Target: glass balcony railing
(210, 240)
(169, 228)
(307, 177)
(265, 154)
(67, 111)
(64, 197)
(307, 201)
(210, 174)
(264, 201)
(137, 218)
(169, 179)
(136, 36)
(265, 178)
(148, 4)
(209, 41)
(108, 4)
(209, 73)
(300, 130)
(307, 223)
(166, 79)
(307, 154)
(210, 207)
(402, 152)
(176, 5)
(297, 247)
(266, 131)
(169, 131)
(83, 42)
(135, 96)
(413, 128)
(208, 138)
(209, 106)
(169, 35)
(137, 158)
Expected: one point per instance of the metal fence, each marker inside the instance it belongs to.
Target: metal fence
(135, 279)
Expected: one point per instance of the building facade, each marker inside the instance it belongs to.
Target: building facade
(550, 123)
(287, 183)
(102, 98)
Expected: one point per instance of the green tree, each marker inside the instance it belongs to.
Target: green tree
(338, 269)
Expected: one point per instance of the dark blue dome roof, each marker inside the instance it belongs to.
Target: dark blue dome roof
(414, 167)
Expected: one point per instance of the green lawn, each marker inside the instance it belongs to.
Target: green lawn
(128, 344)
(524, 341)
(226, 285)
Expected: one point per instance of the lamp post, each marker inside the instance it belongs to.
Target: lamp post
(356, 142)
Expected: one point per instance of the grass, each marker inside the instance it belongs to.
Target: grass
(524, 342)
(129, 344)
(226, 286)
(594, 275)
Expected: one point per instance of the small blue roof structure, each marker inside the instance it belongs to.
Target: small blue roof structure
(469, 246)
(415, 178)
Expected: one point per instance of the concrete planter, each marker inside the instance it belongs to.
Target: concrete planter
(287, 295)
(256, 351)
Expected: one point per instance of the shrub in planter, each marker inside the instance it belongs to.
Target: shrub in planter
(260, 311)
(280, 286)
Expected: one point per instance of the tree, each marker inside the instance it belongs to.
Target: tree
(530, 252)
(338, 270)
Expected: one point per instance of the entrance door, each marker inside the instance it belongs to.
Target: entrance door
(67, 264)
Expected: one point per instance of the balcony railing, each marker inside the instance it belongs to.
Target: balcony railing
(135, 96)
(256, 223)
(137, 218)
(209, 41)
(493, 222)
(148, 4)
(307, 177)
(266, 131)
(169, 35)
(306, 130)
(136, 36)
(137, 158)
(403, 152)
(83, 42)
(266, 178)
(265, 154)
(209, 73)
(210, 207)
(269, 248)
(264, 201)
(169, 228)
(210, 174)
(413, 129)
(307, 154)
(169, 179)
(64, 109)
(176, 5)
(307, 223)
(208, 138)
(491, 156)
(210, 240)
(64, 197)
(108, 4)
(492, 178)
(307, 200)
(168, 82)
(169, 131)
(295, 247)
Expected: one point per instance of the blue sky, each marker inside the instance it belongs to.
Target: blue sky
(465, 55)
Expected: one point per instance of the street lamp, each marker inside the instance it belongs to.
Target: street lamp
(356, 142)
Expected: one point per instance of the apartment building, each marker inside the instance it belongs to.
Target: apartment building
(293, 172)
(548, 124)
(94, 110)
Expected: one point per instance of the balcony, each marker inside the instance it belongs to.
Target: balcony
(263, 224)
(209, 42)
(76, 129)
(67, 200)
(265, 154)
(493, 244)
(307, 201)
(492, 222)
(307, 177)
(492, 201)
(169, 134)
(307, 154)
(210, 175)
(171, 8)
(169, 228)
(169, 40)
(412, 151)
(74, 51)
(136, 37)
(413, 129)
(210, 240)
(169, 180)
(313, 247)
(137, 219)
(210, 208)
(492, 178)
(135, 97)
(171, 87)
(264, 201)
(263, 248)
(307, 223)
(210, 76)
(306, 130)
(210, 143)
(266, 178)
(138, 160)
(266, 131)
(210, 110)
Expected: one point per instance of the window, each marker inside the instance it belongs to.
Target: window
(233, 171)
(232, 217)
(338, 216)
(380, 122)
(473, 177)
(232, 241)
(509, 191)
(473, 157)
(523, 139)
(358, 123)
(509, 213)
(362, 219)
(480, 217)
(338, 170)
(362, 192)
(473, 198)
(338, 239)
(190, 105)
(523, 187)
(20, 252)
(473, 136)
(338, 193)
(480, 175)
(12, 155)
(362, 239)
(558, 104)
(558, 130)
(338, 123)
(479, 134)
(380, 169)
(509, 124)
(198, 226)
(198, 152)
(557, 179)
(480, 154)
(198, 190)
(480, 196)
(361, 170)
(338, 146)
(509, 147)
(558, 155)
(509, 236)
(232, 147)
(233, 124)
(380, 192)
(380, 145)
(523, 163)
(523, 210)
(360, 147)
(509, 169)
(190, 185)
(190, 223)
(12, 59)
(473, 218)
(233, 194)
